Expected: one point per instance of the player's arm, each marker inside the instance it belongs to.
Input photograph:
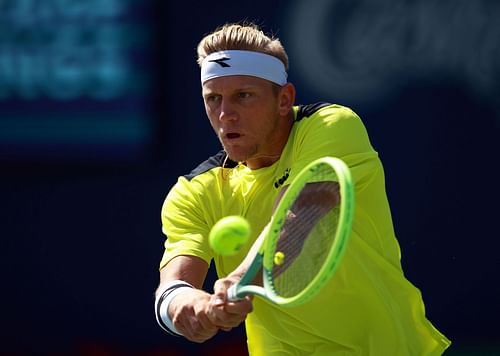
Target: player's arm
(191, 310)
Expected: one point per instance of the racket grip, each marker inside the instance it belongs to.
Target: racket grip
(231, 294)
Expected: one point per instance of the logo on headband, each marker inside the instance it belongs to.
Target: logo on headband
(221, 61)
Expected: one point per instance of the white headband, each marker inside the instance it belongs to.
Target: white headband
(255, 64)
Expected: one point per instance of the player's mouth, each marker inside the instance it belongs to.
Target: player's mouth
(232, 136)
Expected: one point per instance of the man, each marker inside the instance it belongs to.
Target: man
(368, 307)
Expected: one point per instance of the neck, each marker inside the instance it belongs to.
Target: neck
(278, 145)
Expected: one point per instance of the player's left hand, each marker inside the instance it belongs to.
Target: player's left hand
(225, 314)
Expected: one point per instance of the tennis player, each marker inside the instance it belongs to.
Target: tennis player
(368, 307)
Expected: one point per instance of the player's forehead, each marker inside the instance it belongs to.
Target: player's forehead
(234, 83)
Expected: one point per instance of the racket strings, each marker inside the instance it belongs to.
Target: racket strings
(306, 236)
(292, 277)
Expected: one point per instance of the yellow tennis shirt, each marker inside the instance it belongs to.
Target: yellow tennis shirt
(368, 307)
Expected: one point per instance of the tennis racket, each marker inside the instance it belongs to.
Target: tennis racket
(306, 237)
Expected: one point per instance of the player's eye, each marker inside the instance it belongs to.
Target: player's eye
(212, 98)
(244, 95)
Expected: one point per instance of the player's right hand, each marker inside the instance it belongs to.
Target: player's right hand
(189, 312)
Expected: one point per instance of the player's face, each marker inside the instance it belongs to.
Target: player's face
(250, 117)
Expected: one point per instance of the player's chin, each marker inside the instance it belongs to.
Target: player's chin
(235, 154)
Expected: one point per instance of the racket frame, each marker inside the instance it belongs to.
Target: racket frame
(265, 256)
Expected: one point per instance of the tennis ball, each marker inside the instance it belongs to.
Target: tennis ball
(279, 258)
(229, 234)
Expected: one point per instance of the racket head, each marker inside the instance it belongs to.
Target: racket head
(302, 251)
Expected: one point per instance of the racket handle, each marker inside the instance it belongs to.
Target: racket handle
(231, 294)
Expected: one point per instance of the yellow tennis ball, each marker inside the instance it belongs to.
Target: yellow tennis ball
(279, 258)
(229, 234)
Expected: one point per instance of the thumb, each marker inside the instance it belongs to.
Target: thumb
(220, 292)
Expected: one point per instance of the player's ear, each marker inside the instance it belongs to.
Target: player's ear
(286, 98)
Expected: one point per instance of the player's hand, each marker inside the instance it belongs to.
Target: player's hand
(189, 313)
(225, 314)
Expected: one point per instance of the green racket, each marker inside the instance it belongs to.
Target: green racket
(306, 237)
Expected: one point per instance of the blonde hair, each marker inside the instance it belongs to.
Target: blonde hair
(246, 37)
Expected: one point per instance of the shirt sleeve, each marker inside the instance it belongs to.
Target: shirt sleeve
(338, 132)
(183, 224)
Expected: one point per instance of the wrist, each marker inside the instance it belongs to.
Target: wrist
(168, 291)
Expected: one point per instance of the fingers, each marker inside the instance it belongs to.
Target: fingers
(241, 307)
(199, 316)
(229, 314)
(188, 312)
(220, 291)
(195, 327)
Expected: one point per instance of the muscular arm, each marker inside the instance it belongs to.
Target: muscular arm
(186, 268)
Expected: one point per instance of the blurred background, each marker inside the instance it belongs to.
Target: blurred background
(100, 112)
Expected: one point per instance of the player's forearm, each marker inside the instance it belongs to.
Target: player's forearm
(190, 269)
